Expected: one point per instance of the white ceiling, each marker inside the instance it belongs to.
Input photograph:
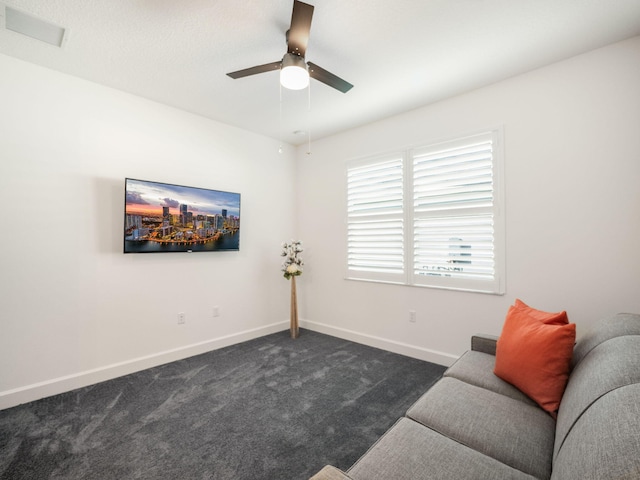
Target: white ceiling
(399, 54)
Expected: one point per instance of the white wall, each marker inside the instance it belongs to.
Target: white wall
(572, 168)
(74, 309)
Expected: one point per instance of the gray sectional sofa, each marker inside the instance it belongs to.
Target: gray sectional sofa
(473, 425)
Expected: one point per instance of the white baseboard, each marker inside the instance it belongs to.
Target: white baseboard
(29, 393)
(434, 356)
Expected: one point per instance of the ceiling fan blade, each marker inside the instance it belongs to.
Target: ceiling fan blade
(267, 67)
(328, 78)
(298, 34)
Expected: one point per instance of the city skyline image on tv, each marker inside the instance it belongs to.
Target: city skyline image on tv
(162, 217)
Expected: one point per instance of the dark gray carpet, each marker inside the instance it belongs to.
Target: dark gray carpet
(271, 408)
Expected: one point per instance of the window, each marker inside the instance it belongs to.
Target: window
(429, 216)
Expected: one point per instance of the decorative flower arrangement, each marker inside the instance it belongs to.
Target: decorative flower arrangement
(292, 266)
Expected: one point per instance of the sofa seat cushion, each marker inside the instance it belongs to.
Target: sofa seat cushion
(612, 364)
(510, 431)
(604, 443)
(476, 368)
(410, 451)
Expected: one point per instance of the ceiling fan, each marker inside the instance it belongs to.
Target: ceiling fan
(294, 70)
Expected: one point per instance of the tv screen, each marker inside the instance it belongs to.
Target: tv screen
(161, 217)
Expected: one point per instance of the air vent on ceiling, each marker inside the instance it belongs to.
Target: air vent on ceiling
(33, 27)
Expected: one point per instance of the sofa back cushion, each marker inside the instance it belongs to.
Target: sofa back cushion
(616, 326)
(612, 364)
(604, 443)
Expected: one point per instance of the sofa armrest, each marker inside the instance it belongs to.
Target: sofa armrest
(330, 473)
(484, 343)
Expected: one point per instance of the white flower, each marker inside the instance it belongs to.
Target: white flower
(293, 269)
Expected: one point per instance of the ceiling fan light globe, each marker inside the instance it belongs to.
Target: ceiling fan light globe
(294, 78)
(294, 74)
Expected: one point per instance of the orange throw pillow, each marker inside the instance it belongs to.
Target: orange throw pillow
(534, 352)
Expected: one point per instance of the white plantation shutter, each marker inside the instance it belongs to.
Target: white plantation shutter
(454, 212)
(375, 220)
(430, 216)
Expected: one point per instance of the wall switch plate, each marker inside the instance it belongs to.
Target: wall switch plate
(216, 311)
(182, 318)
(412, 316)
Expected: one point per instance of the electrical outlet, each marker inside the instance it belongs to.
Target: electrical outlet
(412, 316)
(182, 318)
(216, 311)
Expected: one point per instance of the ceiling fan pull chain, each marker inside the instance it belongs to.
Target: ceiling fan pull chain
(280, 119)
(309, 120)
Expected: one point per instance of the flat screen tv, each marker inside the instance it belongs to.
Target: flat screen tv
(161, 217)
